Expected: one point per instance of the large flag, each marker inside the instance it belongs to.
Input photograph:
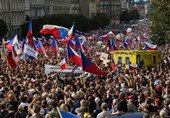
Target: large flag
(149, 46)
(64, 114)
(12, 43)
(40, 48)
(58, 31)
(69, 36)
(30, 51)
(73, 56)
(90, 67)
(55, 48)
(63, 64)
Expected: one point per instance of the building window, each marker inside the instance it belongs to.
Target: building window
(127, 60)
(154, 59)
(119, 59)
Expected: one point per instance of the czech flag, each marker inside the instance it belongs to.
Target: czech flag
(12, 43)
(113, 63)
(63, 64)
(88, 66)
(73, 56)
(149, 46)
(69, 36)
(23, 43)
(29, 34)
(40, 48)
(55, 48)
(71, 43)
(77, 44)
(133, 67)
(58, 31)
(104, 37)
(118, 38)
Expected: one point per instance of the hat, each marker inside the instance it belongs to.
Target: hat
(130, 97)
(158, 87)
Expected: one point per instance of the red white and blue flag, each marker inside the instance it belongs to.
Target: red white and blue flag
(55, 48)
(104, 38)
(12, 43)
(133, 67)
(30, 34)
(71, 43)
(40, 48)
(90, 67)
(149, 46)
(73, 56)
(69, 36)
(11, 58)
(58, 31)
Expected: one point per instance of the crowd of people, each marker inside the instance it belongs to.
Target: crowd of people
(27, 92)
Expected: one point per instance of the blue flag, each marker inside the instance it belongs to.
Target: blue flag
(67, 115)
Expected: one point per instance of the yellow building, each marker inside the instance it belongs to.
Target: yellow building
(138, 57)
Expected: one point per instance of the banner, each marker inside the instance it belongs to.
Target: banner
(29, 51)
(69, 71)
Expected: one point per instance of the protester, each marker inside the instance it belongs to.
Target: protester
(27, 91)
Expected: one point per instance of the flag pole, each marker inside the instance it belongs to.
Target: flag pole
(59, 112)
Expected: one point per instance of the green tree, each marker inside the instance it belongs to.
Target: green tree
(134, 15)
(160, 21)
(3, 28)
(81, 22)
(100, 20)
(124, 16)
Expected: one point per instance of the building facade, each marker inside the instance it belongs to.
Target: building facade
(57, 7)
(14, 12)
(37, 8)
(111, 7)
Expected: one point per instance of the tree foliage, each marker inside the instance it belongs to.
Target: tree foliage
(100, 20)
(160, 20)
(3, 28)
(81, 23)
(129, 15)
